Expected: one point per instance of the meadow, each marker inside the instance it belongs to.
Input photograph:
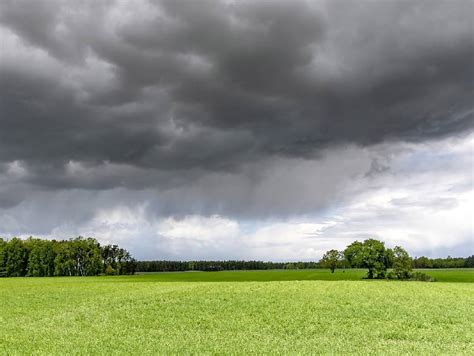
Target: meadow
(288, 311)
(353, 274)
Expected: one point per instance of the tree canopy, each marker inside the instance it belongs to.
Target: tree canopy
(76, 257)
(330, 259)
(370, 254)
(402, 263)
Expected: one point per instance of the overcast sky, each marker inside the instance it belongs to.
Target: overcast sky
(270, 130)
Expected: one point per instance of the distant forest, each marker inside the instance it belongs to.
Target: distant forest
(175, 266)
(86, 257)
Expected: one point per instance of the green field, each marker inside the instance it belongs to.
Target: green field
(237, 312)
(441, 275)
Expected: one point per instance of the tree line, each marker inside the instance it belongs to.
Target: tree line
(76, 257)
(175, 266)
(332, 259)
(449, 262)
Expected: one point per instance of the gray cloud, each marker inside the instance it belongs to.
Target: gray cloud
(213, 84)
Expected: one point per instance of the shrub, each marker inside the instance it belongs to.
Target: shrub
(420, 276)
(109, 271)
(213, 268)
(391, 275)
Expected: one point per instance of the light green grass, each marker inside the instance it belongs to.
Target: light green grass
(144, 315)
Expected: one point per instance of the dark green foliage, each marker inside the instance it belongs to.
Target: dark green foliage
(17, 258)
(3, 258)
(449, 262)
(370, 254)
(352, 254)
(469, 262)
(331, 259)
(389, 257)
(117, 260)
(420, 276)
(78, 257)
(402, 263)
(213, 268)
(423, 262)
(41, 258)
(176, 266)
(46, 258)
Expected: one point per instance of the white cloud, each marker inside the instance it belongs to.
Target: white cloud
(198, 228)
(17, 170)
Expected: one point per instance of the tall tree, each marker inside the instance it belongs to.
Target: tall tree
(41, 258)
(78, 257)
(64, 261)
(117, 260)
(331, 259)
(353, 255)
(17, 258)
(402, 263)
(370, 254)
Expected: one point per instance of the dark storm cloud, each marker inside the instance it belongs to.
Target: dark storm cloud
(144, 94)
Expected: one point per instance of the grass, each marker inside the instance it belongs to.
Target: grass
(442, 275)
(451, 275)
(146, 314)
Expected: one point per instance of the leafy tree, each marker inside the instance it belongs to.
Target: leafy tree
(370, 254)
(78, 257)
(469, 262)
(64, 262)
(423, 262)
(402, 263)
(41, 258)
(118, 259)
(17, 258)
(353, 255)
(330, 259)
(88, 257)
(35, 268)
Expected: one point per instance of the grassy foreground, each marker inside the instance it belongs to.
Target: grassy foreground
(144, 314)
